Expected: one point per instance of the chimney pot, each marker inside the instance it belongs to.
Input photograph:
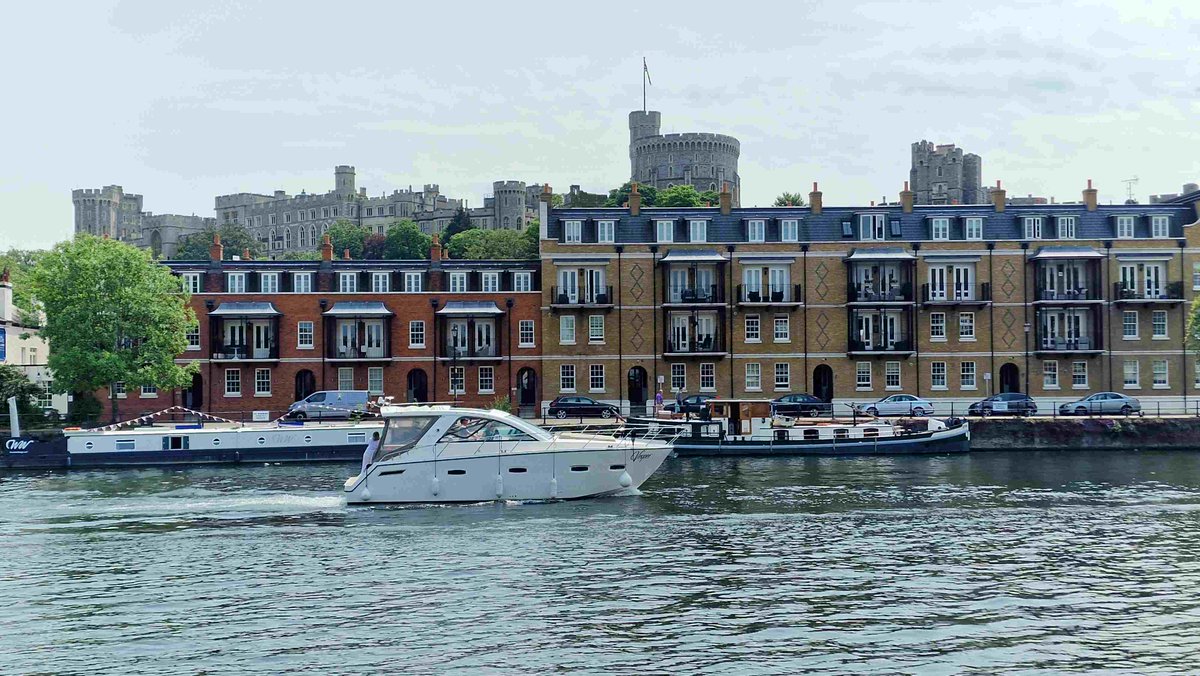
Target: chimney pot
(726, 200)
(814, 200)
(635, 200)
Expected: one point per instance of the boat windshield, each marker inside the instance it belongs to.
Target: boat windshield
(482, 429)
(402, 433)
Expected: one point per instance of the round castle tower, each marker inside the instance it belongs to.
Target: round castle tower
(509, 204)
(703, 160)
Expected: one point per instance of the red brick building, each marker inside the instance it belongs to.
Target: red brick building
(272, 332)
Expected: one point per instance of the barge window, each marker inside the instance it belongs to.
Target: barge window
(125, 444)
(841, 433)
(579, 468)
(456, 472)
(616, 468)
(216, 441)
(356, 438)
(517, 470)
(810, 434)
(401, 434)
(871, 432)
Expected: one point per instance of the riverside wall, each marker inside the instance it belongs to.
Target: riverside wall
(1116, 433)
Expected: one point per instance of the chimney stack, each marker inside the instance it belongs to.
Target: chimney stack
(635, 200)
(345, 254)
(998, 198)
(246, 254)
(814, 200)
(1089, 196)
(435, 249)
(906, 199)
(326, 248)
(726, 198)
(215, 251)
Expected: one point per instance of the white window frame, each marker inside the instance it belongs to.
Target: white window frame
(1155, 325)
(490, 282)
(596, 329)
(262, 386)
(193, 338)
(347, 282)
(1126, 315)
(458, 282)
(416, 329)
(596, 378)
(664, 231)
(1066, 227)
(1126, 227)
(233, 385)
(698, 231)
(784, 321)
(486, 380)
(235, 282)
(524, 326)
(862, 376)
(305, 328)
(754, 376)
(118, 390)
(756, 230)
(783, 376)
(566, 378)
(1160, 379)
(523, 281)
(345, 378)
(148, 392)
(1050, 374)
(937, 376)
(973, 228)
(756, 337)
(1131, 377)
(872, 227)
(891, 375)
(968, 375)
(566, 330)
(1032, 227)
(191, 282)
(374, 375)
(572, 232)
(413, 282)
(302, 282)
(708, 377)
(381, 282)
(1160, 227)
(268, 282)
(1076, 372)
(678, 377)
(789, 229)
(606, 231)
(457, 383)
(966, 326)
(939, 229)
(937, 327)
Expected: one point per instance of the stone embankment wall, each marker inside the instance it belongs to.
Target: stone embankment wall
(1126, 434)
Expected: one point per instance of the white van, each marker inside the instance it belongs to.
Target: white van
(329, 405)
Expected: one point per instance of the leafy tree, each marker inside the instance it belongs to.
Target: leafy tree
(375, 247)
(678, 196)
(710, 198)
(235, 238)
(479, 244)
(406, 241)
(19, 262)
(556, 200)
(532, 234)
(300, 256)
(347, 235)
(461, 222)
(619, 197)
(112, 316)
(13, 383)
(1193, 326)
(789, 199)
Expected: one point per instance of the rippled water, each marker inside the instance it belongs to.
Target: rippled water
(982, 563)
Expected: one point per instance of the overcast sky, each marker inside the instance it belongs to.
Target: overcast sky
(182, 103)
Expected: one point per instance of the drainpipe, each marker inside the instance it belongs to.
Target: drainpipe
(804, 310)
(512, 391)
(912, 325)
(991, 246)
(1108, 306)
(1025, 305)
(1183, 318)
(433, 304)
(654, 272)
(729, 307)
(622, 377)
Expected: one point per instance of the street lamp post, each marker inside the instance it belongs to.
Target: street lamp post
(454, 360)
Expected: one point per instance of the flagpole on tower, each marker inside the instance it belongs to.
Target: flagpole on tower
(645, 79)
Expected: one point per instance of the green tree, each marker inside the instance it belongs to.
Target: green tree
(375, 247)
(19, 262)
(789, 199)
(300, 256)
(406, 241)
(113, 315)
(479, 244)
(13, 383)
(1193, 326)
(619, 197)
(235, 238)
(678, 196)
(461, 222)
(346, 235)
(533, 241)
(710, 198)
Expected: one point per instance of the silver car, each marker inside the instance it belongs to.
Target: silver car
(1102, 402)
(898, 404)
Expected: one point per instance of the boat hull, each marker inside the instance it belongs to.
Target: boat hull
(548, 475)
(953, 440)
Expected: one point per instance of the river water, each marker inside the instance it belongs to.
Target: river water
(1014, 562)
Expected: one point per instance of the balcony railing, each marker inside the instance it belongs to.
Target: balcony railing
(1069, 295)
(705, 344)
(957, 294)
(874, 293)
(469, 352)
(590, 297)
(1068, 344)
(357, 352)
(880, 345)
(238, 351)
(693, 293)
(1171, 291)
(789, 293)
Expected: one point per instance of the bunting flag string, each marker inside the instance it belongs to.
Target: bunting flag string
(149, 417)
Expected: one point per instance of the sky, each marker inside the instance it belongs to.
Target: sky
(181, 103)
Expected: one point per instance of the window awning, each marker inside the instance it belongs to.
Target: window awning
(881, 254)
(467, 308)
(1059, 252)
(693, 256)
(1147, 256)
(358, 309)
(951, 258)
(245, 309)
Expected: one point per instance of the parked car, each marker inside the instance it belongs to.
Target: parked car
(329, 405)
(801, 404)
(580, 407)
(1102, 402)
(694, 404)
(1005, 403)
(898, 404)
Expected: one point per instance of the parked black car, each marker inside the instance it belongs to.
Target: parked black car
(801, 404)
(580, 407)
(694, 404)
(1007, 403)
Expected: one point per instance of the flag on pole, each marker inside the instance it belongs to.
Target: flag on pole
(646, 70)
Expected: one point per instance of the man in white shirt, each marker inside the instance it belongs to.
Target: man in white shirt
(369, 454)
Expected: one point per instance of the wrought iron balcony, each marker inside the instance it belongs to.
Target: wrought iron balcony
(879, 293)
(957, 294)
(880, 346)
(693, 294)
(599, 297)
(1171, 292)
(789, 294)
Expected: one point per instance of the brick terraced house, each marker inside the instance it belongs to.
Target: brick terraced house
(947, 302)
(272, 332)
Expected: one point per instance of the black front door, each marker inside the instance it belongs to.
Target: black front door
(193, 397)
(306, 384)
(418, 386)
(637, 391)
(1010, 378)
(823, 383)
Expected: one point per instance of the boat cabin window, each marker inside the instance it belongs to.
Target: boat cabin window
(811, 434)
(125, 444)
(403, 433)
(174, 443)
(871, 432)
(482, 429)
(356, 438)
(841, 433)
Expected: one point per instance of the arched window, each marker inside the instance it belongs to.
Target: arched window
(287, 238)
(271, 238)
(312, 235)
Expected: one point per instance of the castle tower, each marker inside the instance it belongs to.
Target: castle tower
(642, 124)
(108, 212)
(343, 181)
(508, 204)
(944, 174)
(703, 160)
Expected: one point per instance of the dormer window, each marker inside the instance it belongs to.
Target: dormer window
(348, 282)
(458, 282)
(973, 228)
(1160, 227)
(939, 228)
(789, 230)
(269, 282)
(666, 231)
(1124, 227)
(235, 282)
(606, 231)
(1033, 227)
(191, 282)
(871, 227)
(572, 232)
(1066, 227)
(756, 230)
(698, 231)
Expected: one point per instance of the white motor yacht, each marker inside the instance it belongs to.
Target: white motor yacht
(431, 454)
